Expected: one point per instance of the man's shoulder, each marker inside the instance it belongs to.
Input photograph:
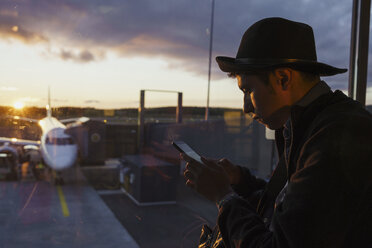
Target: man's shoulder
(339, 133)
(342, 110)
(334, 114)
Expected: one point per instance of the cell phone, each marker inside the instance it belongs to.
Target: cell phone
(185, 148)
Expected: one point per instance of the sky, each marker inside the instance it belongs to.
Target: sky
(101, 53)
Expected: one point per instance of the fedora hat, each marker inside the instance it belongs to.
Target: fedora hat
(277, 42)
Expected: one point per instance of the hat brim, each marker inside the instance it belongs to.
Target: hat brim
(228, 64)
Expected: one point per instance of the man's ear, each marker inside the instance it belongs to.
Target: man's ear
(283, 77)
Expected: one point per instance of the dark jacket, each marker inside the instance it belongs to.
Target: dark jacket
(328, 200)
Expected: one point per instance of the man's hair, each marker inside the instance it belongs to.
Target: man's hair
(263, 75)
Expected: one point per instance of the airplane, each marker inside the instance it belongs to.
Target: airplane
(58, 149)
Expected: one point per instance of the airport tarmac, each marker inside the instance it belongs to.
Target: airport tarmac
(164, 226)
(40, 214)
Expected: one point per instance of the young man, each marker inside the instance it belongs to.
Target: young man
(320, 195)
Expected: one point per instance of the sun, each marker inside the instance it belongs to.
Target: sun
(18, 105)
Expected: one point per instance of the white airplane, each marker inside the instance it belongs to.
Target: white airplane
(58, 149)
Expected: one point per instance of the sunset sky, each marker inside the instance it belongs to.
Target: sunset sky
(101, 53)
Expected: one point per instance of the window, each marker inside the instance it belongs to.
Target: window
(92, 59)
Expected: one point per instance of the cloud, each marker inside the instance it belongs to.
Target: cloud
(86, 56)
(9, 13)
(174, 30)
(20, 33)
(81, 56)
(92, 101)
(13, 27)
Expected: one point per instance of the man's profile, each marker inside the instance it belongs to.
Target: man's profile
(320, 194)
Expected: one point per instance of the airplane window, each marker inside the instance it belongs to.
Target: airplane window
(136, 73)
(50, 140)
(59, 141)
(65, 141)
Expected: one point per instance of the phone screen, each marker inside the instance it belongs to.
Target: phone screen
(185, 148)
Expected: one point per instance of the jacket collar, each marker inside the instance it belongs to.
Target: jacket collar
(319, 89)
(309, 101)
(315, 92)
(302, 114)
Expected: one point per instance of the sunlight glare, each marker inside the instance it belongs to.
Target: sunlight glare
(18, 105)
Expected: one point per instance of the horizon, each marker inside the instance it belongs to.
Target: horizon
(98, 108)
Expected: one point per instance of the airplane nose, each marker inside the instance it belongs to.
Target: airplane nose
(63, 157)
(64, 162)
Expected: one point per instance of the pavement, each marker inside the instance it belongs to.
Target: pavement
(165, 226)
(41, 214)
(78, 214)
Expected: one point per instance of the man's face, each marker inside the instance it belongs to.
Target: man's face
(262, 101)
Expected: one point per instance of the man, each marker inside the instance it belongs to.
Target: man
(320, 195)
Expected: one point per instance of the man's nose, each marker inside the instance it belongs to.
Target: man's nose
(248, 106)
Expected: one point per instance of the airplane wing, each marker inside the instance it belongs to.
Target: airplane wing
(20, 142)
(20, 118)
(80, 119)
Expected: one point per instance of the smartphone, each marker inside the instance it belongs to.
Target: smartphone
(185, 148)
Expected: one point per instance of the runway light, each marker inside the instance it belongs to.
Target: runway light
(18, 105)
(14, 139)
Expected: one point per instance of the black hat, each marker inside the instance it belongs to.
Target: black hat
(277, 42)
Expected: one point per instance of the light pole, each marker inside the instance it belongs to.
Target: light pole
(210, 62)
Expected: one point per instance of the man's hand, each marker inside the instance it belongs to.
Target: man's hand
(209, 179)
(232, 170)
